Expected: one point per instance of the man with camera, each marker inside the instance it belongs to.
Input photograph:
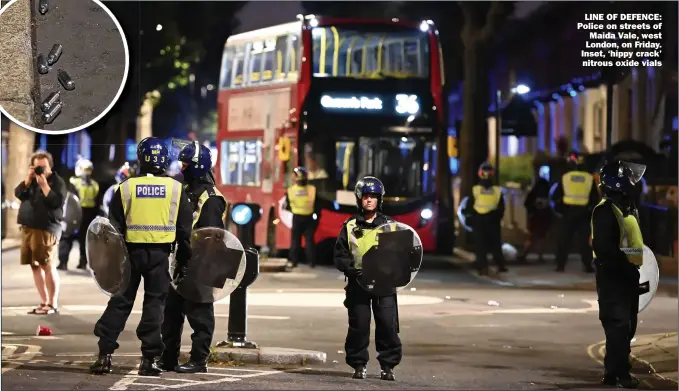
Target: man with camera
(42, 196)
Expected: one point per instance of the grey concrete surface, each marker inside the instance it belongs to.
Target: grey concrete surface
(268, 356)
(93, 55)
(458, 332)
(16, 62)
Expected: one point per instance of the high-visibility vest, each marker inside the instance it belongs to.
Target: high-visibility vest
(486, 199)
(203, 199)
(360, 246)
(151, 205)
(577, 186)
(631, 240)
(87, 192)
(302, 199)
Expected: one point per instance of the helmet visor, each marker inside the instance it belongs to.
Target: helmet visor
(177, 146)
(637, 170)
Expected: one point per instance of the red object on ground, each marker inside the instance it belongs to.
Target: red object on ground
(43, 331)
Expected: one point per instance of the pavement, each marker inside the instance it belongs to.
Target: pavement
(458, 332)
(93, 55)
(17, 74)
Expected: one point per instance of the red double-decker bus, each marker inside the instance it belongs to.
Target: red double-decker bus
(344, 98)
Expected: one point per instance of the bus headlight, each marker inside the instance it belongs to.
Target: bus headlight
(426, 213)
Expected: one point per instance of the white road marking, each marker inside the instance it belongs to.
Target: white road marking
(7, 333)
(8, 353)
(319, 299)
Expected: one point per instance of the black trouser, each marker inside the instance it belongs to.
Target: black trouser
(303, 226)
(152, 265)
(66, 243)
(488, 239)
(575, 223)
(201, 318)
(618, 309)
(385, 308)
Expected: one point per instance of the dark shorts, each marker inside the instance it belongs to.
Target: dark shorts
(38, 247)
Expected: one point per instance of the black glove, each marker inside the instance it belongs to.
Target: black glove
(354, 273)
(179, 273)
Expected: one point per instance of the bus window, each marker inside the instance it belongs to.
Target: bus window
(241, 162)
(344, 161)
(227, 66)
(238, 66)
(256, 62)
(268, 60)
(294, 57)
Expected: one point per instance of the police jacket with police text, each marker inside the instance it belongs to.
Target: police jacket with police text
(610, 259)
(212, 210)
(343, 258)
(183, 223)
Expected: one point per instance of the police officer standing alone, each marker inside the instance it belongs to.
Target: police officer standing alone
(87, 190)
(486, 205)
(122, 174)
(618, 252)
(209, 207)
(351, 244)
(152, 212)
(300, 199)
(573, 198)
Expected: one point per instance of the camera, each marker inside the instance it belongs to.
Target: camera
(39, 170)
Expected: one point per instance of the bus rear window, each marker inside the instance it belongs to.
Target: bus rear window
(241, 162)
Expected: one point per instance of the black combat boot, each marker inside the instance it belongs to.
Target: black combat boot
(166, 365)
(148, 367)
(192, 367)
(630, 382)
(102, 366)
(387, 374)
(360, 372)
(609, 380)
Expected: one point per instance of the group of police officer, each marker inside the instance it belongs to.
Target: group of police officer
(615, 254)
(154, 221)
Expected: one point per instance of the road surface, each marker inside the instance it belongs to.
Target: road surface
(93, 55)
(458, 332)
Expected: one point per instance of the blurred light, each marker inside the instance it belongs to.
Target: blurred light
(192, 78)
(210, 87)
(411, 118)
(426, 213)
(395, 20)
(241, 214)
(159, 27)
(573, 93)
(315, 216)
(424, 26)
(521, 89)
(404, 139)
(313, 22)
(335, 205)
(581, 88)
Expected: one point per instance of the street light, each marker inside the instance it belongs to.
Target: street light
(521, 89)
(159, 27)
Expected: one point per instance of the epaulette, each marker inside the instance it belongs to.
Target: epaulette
(211, 191)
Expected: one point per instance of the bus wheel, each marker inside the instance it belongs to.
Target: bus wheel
(271, 234)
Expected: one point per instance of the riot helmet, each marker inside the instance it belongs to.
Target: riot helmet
(123, 172)
(83, 168)
(301, 176)
(617, 180)
(196, 160)
(369, 185)
(486, 171)
(575, 160)
(153, 155)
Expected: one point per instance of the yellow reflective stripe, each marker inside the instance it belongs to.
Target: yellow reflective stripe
(353, 243)
(174, 203)
(127, 201)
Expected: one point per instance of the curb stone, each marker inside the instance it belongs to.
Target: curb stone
(268, 356)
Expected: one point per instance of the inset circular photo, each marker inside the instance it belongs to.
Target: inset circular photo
(63, 63)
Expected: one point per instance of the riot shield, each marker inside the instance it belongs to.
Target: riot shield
(462, 218)
(107, 257)
(215, 269)
(649, 274)
(73, 215)
(393, 262)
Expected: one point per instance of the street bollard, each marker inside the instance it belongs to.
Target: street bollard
(245, 216)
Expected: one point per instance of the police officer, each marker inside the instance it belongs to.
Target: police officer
(122, 174)
(369, 193)
(618, 252)
(209, 207)
(87, 190)
(573, 198)
(300, 199)
(152, 212)
(486, 206)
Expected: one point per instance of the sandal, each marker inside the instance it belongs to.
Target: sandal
(39, 308)
(49, 310)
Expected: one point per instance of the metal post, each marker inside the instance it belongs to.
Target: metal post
(609, 110)
(498, 134)
(245, 216)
